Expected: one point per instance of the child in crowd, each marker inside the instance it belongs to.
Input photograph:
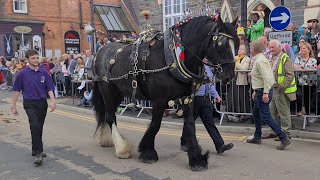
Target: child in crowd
(260, 12)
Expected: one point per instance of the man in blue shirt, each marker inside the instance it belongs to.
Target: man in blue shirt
(203, 108)
(35, 84)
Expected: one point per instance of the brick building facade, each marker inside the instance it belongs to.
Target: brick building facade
(48, 21)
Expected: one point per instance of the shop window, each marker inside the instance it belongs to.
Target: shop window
(20, 6)
(173, 11)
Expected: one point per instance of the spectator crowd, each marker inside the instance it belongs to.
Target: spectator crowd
(63, 70)
(304, 53)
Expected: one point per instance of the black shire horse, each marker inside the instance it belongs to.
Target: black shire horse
(202, 37)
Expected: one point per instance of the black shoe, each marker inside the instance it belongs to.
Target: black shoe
(43, 154)
(254, 141)
(38, 160)
(184, 148)
(284, 143)
(224, 148)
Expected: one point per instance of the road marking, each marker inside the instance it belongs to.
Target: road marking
(143, 129)
(128, 126)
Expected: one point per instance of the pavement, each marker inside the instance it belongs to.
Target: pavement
(73, 151)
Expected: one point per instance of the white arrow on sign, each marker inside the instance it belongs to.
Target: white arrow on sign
(283, 18)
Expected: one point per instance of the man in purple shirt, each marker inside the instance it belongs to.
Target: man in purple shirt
(202, 107)
(35, 84)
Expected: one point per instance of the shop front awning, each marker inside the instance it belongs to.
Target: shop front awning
(113, 18)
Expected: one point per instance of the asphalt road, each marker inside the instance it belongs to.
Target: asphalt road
(74, 153)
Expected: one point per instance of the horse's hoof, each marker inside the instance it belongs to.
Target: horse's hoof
(149, 157)
(106, 145)
(199, 168)
(124, 156)
(147, 161)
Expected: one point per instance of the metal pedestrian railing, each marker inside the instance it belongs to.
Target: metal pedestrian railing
(237, 96)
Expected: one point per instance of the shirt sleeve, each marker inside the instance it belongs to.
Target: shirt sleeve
(208, 72)
(49, 83)
(18, 85)
(88, 97)
(214, 92)
(267, 75)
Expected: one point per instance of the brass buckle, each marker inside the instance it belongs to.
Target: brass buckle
(215, 38)
(134, 84)
(219, 68)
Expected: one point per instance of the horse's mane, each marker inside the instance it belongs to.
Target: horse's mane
(194, 25)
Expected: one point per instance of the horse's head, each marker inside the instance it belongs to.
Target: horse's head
(211, 38)
(221, 49)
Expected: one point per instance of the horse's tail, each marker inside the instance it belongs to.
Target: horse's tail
(99, 107)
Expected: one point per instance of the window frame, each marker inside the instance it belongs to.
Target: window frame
(172, 4)
(20, 11)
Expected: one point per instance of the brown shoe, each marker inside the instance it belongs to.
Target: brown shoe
(269, 135)
(284, 143)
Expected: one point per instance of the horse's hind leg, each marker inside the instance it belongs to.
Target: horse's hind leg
(197, 161)
(112, 100)
(146, 146)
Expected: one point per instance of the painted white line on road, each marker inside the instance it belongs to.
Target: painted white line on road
(306, 140)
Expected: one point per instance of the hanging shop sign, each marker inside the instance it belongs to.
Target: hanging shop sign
(72, 42)
(22, 29)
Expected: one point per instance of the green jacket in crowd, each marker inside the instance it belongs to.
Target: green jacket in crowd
(256, 31)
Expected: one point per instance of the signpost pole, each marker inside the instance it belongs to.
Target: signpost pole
(243, 7)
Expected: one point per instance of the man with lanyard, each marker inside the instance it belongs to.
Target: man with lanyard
(203, 108)
(285, 87)
(35, 85)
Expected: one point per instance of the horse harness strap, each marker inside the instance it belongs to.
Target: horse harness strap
(140, 49)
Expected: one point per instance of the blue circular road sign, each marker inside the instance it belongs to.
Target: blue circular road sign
(280, 18)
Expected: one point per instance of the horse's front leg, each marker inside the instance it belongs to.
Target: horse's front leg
(197, 161)
(146, 146)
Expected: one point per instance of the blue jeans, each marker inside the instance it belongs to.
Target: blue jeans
(261, 112)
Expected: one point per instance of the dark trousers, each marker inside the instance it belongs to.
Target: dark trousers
(36, 111)
(261, 112)
(68, 85)
(305, 98)
(203, 108)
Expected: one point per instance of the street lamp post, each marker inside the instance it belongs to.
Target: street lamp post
(93, 39)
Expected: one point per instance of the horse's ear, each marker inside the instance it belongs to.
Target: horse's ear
(220, 22)
(235, 21)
